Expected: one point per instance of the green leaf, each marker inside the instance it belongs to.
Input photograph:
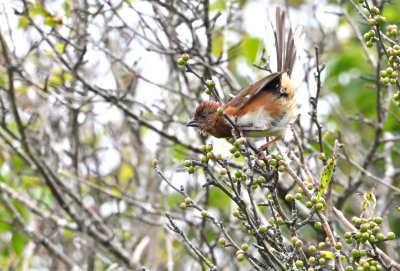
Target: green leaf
(18, 242)
(326, 176)
(23, 22)
(250, 48)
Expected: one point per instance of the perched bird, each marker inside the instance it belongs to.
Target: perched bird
(263, 109)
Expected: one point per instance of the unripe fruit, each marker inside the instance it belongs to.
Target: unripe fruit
(298, 243)
(204, 159)
(298, 196)
(191, 170)
(355, 253)
(289, 197)
(380, 236)
(240, 257)
(309, 204)
(391, 236)
(349, 268)
(263, 228)
(237, 154)
(363, 253)
(321, 261)
(261, 163)
(371, 22)
(369, 44)
(222, 241)
(180, 61)
(299, 264)
(188, 200)
(210, 83)
(273, 162)
(223, 171)
(364, 227)
(207, 91)
(347, 235)
(187, 163)
(339, 246)
(204, 213)
(321, 156)
(155, 162)
(317, 225)
(312, 249)
(312, 260)
(319, 206)
(182, 205)
(235, 213)
(374, 10)
(281, 168)
(203, 148)
(218, 156)
(210, 155)
(185, 57)
(322, 245)
(244, 247)
(314, 200)
(294, 239)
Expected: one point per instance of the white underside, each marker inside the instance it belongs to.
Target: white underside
(257, 124)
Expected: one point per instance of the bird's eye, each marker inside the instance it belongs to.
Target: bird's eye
(204, 115)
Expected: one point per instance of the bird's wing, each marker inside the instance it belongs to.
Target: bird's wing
(268, 83)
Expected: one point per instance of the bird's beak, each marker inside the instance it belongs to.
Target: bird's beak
(193, 123)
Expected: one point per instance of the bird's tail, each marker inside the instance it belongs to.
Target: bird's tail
(285, 50)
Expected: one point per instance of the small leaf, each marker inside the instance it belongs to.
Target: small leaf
(60, 47)
(326, 176)
(23, 22)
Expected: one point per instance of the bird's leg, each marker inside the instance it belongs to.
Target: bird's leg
(260, 149)
(269, 143)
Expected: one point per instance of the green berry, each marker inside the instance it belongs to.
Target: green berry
(261, 163)
(391, 236)
(270, 197)
(190, 170)
(180, 61)
(294, 239)
(185, 57)
(210, 155)
(321, 156)
(289, 197)
(188, 200)
(182, 205)
(235, 213)
(244, 247)
(355, 252)
(317, 225)
(392, 81)
(237, 154)
(369, 44)
(207, 91)
(204, 159)
(309, 204)
(210, 83)
(273, 162)
(349, 241)
(155, 162)
(203, 148)
(223, 171)
(298, 196)
(396, 97)
(281, 168)
(299, 264)
(339, 246)
(240, 257)
(364, 227)
(314, 200)
(222, 241)
(263, 228)
(298, 243)
(187, 163)
(385, 81)
(371, 238)
(312, 260)
(363, 253)
(321, 261)
(380, 236)
(374, 10)
(209, 147)
(204, 213)
(312, 249)
(349, 268)
(319, 206)
(347, 235)
(371, 22)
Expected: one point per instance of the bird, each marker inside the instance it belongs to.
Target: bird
(266, 108)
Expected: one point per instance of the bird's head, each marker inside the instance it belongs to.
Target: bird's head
(207, 120)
